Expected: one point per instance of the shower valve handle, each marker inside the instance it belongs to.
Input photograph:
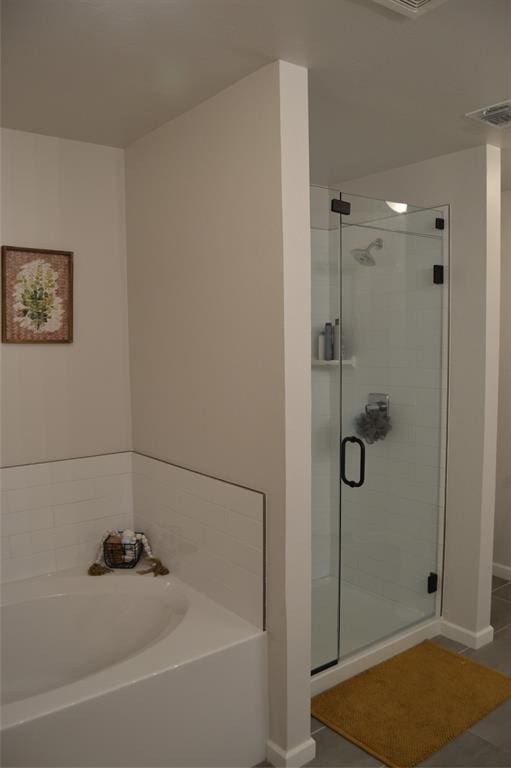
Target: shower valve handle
(361, 479)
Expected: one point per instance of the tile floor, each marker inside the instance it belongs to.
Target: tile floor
(486, 745)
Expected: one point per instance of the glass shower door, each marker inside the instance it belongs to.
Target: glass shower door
(379, 394)
(393, 405)
(326, 427)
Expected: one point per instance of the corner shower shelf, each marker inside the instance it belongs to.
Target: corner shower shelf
(348, 363)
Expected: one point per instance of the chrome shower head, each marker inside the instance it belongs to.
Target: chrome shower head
(364, 256)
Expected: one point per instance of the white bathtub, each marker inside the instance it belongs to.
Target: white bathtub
(124, 670)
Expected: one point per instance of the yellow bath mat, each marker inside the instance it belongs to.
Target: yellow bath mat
(411, 705)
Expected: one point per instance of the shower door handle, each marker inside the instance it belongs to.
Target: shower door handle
(362, 475)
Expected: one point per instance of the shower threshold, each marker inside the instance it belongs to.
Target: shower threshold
(365, 618)
(356, 657)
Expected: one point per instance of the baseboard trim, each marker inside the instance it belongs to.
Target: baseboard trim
(465, 636)
(502, 571)
(294, 758)
(367, 658)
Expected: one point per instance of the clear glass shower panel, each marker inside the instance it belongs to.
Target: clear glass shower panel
(379, 402)
(325, 280)
(393, 406)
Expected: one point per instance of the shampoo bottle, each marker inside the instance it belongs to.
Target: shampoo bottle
(329, 341)
(337, 339)
(321, 346)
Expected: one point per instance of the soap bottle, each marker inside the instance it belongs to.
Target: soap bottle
(329, 341)
(337, 339)
(321, 346)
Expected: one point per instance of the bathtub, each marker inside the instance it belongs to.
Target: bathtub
(124, 670)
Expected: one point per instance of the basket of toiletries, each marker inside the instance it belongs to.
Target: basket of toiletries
(122, 549)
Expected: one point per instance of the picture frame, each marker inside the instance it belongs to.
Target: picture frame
(37, 296)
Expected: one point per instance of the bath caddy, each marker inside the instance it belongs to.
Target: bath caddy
(119, 555)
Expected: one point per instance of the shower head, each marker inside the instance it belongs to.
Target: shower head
(364, 256)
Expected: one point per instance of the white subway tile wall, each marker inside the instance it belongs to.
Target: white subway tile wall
(52, 515)
(208, 532)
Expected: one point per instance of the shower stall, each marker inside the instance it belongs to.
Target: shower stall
(379, 419)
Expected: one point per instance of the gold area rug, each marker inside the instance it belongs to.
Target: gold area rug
(408, 707)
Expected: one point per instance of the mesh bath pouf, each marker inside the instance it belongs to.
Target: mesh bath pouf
(373, 426)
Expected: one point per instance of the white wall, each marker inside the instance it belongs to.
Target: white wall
(502, 547)
(219, 291)
(67, 400)
(469, 182)
(294, 546)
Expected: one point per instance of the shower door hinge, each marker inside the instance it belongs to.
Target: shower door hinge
(432, 583)
(341, 206)
(438, 274)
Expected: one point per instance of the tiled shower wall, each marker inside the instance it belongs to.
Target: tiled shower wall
(53, 514)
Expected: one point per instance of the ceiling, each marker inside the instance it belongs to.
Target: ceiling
(384, 90)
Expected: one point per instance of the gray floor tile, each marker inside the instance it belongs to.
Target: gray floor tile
(470, 751)
(497, 582)
(316, 725)
(486, 745)
(500, 612)
(503, 592)
(333, 751)
(496, 727)
(497, 654)
(451, 645)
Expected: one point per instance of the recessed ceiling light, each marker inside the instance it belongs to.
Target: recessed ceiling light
(397, 207)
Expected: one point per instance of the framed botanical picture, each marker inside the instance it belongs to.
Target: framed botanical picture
(37, 295)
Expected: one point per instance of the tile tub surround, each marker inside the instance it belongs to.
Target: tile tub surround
(208, 532)
(53, 514)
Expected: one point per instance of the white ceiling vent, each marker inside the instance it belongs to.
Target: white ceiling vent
(498, 115)
(410, 8)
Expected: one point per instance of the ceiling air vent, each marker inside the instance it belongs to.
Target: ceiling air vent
(410, 8)
(498, 115)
